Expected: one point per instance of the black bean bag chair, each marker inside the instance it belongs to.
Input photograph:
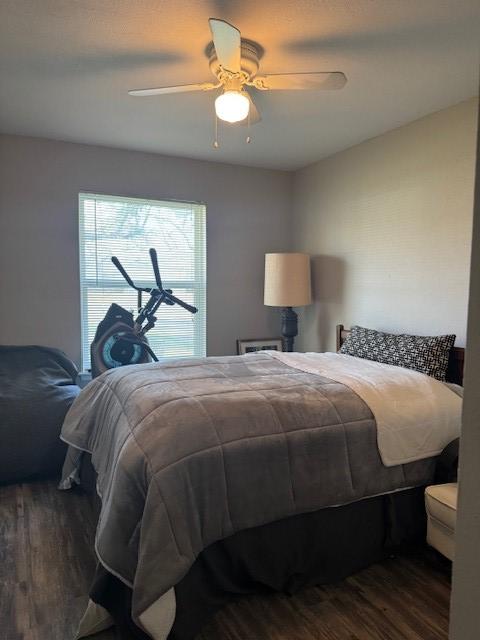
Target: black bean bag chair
(37, 386)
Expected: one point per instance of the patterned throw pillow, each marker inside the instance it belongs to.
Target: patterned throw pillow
(426, 354)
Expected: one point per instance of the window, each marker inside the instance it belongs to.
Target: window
(127, 228)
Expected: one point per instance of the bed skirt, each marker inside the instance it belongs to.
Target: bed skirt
(315, 548)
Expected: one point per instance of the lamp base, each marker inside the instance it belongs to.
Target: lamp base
(289, 327)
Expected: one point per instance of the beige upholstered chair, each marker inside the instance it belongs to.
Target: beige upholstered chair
(441, 505)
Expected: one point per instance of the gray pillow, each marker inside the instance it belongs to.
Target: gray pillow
(426, 354)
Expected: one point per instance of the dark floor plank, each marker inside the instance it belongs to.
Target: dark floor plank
(47, 561)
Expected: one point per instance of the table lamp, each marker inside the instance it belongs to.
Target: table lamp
(287, 285)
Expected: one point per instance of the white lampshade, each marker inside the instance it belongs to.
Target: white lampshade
(232, 106)
(287, 280)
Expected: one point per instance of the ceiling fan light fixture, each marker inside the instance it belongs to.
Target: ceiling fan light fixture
(232, 106)
(234, 61)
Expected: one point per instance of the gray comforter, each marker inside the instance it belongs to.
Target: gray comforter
(192, 451)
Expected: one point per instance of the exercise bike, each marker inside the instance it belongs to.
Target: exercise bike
(120, 339)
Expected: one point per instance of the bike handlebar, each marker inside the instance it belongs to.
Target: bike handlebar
(160, 292)
(181, 303)
(156, 270)
(119, 266)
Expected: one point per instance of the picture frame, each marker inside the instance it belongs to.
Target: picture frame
(253, 345)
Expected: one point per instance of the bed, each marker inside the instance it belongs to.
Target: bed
(282, 478)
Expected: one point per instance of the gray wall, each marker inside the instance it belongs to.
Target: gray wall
(247, 211)
(388, 223)
(465, 613)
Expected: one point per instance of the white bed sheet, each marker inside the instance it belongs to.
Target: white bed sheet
(416, 415)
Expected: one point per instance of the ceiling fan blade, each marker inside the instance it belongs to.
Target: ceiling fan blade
(227, 41)
(253, 114)
(301, 81)
(181, 88)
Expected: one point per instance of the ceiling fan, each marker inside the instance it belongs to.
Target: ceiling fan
(234, 61)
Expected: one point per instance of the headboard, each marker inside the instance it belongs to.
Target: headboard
(455, 363)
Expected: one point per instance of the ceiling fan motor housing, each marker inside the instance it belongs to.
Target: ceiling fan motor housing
(251, 53)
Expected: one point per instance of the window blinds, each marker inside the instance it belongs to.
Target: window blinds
(127, 228)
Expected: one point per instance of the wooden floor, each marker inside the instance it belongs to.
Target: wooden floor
(46, 563)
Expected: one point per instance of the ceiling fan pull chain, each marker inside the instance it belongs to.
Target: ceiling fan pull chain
(215, 142)
(248, 139)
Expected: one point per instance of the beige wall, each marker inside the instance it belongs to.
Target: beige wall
(388, 223)
(247, 211)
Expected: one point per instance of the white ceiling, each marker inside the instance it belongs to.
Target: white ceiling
(66, 67)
